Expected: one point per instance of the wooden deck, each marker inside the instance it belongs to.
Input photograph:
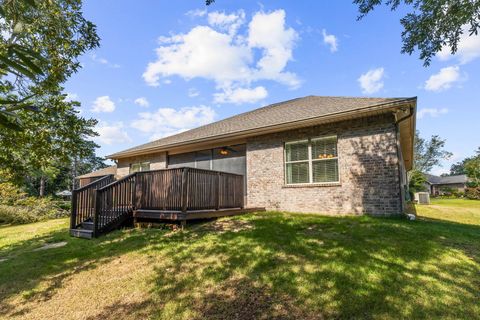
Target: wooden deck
(170, 215)
(177, 194)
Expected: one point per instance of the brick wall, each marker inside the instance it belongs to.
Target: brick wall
(368, 168)
(157, 161)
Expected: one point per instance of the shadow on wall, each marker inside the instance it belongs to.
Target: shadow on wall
(375, 174)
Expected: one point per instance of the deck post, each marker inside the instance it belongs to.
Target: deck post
(217, 191)
(97, 209)
(133, 191)
(73, 215)
(184, 189)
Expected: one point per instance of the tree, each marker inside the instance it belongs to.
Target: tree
(52, 139)
(461, 166)
(458, 168)
(472, 168)
(40, 42)
(429, 153)
(417, 181)
(431, 25)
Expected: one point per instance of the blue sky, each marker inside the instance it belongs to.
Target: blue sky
(167, 66)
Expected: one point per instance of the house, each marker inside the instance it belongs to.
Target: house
(90, 177)
(333, 155)
(440, 185)
(312, 154)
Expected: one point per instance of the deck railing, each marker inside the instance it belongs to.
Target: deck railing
(113, 202)
(83, 201)
(185, 189)
(106, 201)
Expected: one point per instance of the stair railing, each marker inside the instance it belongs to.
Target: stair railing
(83, 200)
(113, 202)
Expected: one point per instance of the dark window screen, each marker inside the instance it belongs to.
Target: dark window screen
(230, 159)
(182, 160)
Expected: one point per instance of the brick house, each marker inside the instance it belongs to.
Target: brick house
(334, 155)
(440, 185)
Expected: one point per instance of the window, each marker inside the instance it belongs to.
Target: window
(311, 161)
(139, 166)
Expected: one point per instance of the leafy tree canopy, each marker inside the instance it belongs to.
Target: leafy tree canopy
(429, 153)
(40, 42)
(431, 25)
(54, 142)
(472, 168)
(461, 166)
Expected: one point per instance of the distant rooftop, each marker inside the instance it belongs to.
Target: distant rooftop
(461, 178)
(101, 172)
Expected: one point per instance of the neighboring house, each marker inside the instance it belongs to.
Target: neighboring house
(440, 185)
(85, 179)
(336, 155)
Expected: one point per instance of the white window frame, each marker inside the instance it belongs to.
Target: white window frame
(310, 161)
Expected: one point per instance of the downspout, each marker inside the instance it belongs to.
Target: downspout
(397, 135)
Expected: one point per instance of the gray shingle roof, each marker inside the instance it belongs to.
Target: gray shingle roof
(461, 178)
(101, 172)
(273, 115)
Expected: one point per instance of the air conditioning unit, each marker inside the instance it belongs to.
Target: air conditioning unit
(422, 197)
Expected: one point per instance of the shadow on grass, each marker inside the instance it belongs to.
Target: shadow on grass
(318, 267)
(274, 265)
(26, 268)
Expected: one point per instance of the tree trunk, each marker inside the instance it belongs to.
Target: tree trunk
(41, 192)
(74, 172)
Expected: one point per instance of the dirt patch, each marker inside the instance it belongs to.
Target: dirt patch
(242, 299)
(228, 225)
(52, 246)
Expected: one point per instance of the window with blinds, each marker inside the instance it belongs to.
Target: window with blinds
(139, 166)
(311, 161)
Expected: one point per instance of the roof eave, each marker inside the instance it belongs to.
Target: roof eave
(384, 107)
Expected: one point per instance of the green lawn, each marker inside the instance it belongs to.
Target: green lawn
(265, 265)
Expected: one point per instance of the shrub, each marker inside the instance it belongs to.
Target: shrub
(473, 193)
(16, 207)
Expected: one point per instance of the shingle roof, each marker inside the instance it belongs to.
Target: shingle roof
(102, 172)
(273, 115)
(461, 178)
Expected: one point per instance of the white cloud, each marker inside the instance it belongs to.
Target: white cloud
(444, 79)
(196, 13)
(103, 104)
(103, 61)
(468, 49)
(142, 102)
(432, 112)
(192, 93)
(219, 52)
(228, 22)
(111, 133)
(267, 31)
(241, 95)
(168, 121)
(330, 40)
(372, 80)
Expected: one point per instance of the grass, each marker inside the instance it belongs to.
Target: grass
(258, 266)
